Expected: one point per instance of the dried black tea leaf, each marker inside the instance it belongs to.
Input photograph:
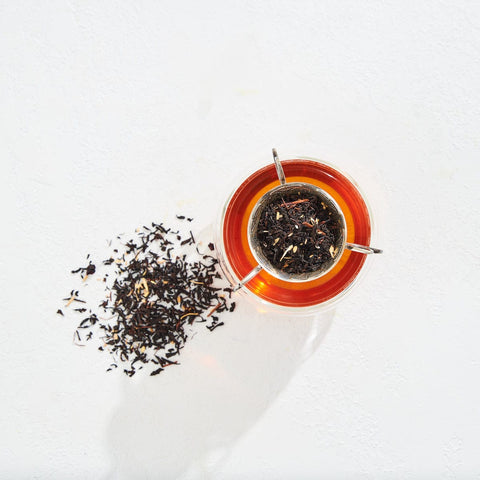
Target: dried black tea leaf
(296, 233)
(90, 270)
(156, 293)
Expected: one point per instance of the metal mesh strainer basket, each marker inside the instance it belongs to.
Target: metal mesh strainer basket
(276, 196)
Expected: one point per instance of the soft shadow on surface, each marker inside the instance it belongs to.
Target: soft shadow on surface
(186, 420)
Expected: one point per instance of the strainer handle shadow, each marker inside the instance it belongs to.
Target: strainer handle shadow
(354, 247)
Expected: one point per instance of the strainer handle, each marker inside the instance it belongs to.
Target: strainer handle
(278, 166)
(247, 278)
(354, 247)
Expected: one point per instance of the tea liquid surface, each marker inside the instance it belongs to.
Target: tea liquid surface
(281, 292)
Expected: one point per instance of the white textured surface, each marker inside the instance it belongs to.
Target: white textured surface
(115, 114)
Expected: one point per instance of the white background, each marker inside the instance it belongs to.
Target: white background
(113, 114)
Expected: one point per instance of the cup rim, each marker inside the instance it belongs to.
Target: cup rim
(225, 261)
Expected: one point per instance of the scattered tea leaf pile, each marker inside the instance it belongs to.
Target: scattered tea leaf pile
(155, 293)
(297, 233)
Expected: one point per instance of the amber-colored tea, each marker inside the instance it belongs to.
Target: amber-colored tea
(235, 233)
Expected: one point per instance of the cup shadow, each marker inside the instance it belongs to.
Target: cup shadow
(187, 419)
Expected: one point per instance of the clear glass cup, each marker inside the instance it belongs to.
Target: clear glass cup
(271, 294)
